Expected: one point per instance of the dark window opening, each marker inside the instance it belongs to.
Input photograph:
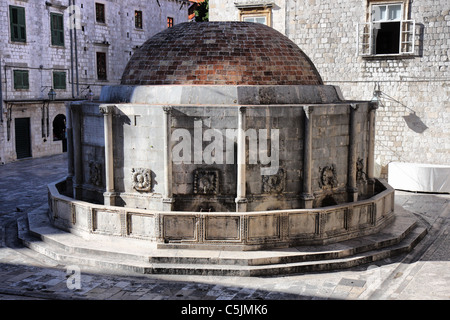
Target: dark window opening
(100, 13)
(387, 38)
(101, 66)
(138, 19)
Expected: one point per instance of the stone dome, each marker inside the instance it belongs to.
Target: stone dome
(220, 53)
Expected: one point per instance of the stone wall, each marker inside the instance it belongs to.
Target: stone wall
(203, 155)
(413, 120)
(215, 230)
(117, 37)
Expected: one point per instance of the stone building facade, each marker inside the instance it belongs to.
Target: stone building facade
(395, 50)
(72, 47)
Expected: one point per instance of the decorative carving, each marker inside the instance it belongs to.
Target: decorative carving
(167, 109)
(141, 179)
(206, 181)
(107, 109)
(360, 174)
(274, 183)
(95, 173)
(328, 177)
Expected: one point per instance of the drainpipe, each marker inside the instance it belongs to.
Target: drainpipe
(71, 49)
(1, 94)
(76, 55)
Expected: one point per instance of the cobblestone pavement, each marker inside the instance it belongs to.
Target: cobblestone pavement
(422, 274)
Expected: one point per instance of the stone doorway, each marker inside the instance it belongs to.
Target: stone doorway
(23, 137)
(59, 130)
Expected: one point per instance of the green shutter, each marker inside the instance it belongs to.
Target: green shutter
(57, 29)
(21, 79)
(26, 84)
(18, 24)
(59, 80)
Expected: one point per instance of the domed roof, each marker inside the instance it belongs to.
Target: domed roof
(220, 53)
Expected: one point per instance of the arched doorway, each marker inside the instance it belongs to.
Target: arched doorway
(59, 130)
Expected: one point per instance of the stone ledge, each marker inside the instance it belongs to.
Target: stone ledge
(226, 230)
(221, 95)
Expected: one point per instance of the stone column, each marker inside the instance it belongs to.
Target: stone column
(307, 197)
(352, 190)
(69, 137)
(373, 106)
(108, 195)
(241, 200)
(167, 200)
(77, 155)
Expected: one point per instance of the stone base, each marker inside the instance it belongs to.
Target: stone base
(252, 230)
(143, 257)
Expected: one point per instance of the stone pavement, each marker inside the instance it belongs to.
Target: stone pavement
(24, 274)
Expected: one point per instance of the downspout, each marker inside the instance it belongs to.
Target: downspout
(1, 94)
(76, 55)
(71, 48)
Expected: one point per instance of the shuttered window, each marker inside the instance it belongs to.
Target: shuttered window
(21, 79)
(57, 29)
(59, 80)
(18, 25)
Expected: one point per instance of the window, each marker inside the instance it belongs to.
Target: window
(100, 12)
(138, 19)
(57, 29)
(17, 21)
(101, 66)
(386, 28)
(387, 33)
(256, 19)
(59, 80)
(169, 22)
(21, 79)
(258, 13)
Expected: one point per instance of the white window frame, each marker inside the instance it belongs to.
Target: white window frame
(250, 17)
(256, 10)
(366, 31)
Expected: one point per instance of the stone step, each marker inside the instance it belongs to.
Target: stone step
(392, 235)
(404, 246)
(143, 257)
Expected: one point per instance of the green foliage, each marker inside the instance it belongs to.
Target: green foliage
(202, 13)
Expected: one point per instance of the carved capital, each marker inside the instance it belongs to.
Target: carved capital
(373, 105)
(107, 109)
(167, 109)
(308, 110)
(354, 106)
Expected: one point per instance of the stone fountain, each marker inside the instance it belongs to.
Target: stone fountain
(222, 136)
